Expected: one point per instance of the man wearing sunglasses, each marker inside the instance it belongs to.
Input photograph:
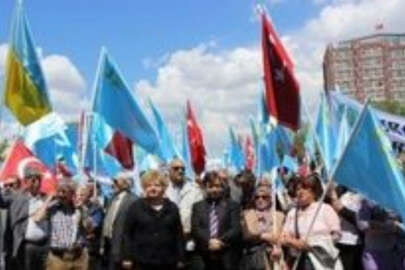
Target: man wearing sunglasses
(184, 194)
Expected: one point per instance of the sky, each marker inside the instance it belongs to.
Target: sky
(206, 51)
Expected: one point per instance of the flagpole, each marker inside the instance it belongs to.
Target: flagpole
(276, 265)
(357, 125)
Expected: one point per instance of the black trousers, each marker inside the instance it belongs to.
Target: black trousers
(350, 256)
(32, 256)
(155, 267)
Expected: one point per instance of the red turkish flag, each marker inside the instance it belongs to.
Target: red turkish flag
(19, 158)
(282, 89)
(120, 147)
(196, 142)
(249, 154)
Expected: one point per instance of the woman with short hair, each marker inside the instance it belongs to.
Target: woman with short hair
(153, 232)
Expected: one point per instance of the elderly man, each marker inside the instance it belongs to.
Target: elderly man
(112, 244)
(184, 194)
(29, 238)
(90, 206)
(68, 227)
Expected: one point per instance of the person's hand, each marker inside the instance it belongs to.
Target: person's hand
(215, 244)
(275, 253)
(180, 265)
(300, 244)
(268, 237)
(126, 264)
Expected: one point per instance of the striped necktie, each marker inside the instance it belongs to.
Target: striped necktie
(213, 221)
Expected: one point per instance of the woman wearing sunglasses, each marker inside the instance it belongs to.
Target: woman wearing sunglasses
(261, 230)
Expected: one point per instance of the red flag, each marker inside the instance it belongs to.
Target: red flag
(120, 147)
(249, 154)
(19, 158)
(282, 89)
(196, 142)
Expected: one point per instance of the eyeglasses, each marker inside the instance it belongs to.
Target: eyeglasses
(178, 168)
(264, 197)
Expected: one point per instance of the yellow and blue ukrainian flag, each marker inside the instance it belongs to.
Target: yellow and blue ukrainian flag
(25, 92)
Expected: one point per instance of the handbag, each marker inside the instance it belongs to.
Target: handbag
(255, 258)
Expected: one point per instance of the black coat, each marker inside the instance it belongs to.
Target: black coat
(154, 237)
(229, 230)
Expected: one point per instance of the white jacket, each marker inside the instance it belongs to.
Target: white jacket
(189, 194)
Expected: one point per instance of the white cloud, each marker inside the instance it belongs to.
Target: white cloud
(3, 54)
(65, 83)
(223, 85)
(222, 88)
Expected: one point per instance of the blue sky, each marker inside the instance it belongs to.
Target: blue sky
(207, 51)
(135, 30)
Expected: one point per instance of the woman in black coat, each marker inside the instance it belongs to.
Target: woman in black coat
(153, 232)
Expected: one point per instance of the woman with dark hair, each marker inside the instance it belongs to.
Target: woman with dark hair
(317, 245)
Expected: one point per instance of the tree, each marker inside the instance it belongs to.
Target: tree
(390, 106)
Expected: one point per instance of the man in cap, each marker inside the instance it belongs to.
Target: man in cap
(113, 227)
(29, 237)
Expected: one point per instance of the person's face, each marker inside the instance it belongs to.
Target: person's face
(33, 183)
(305, 196)
(65, 194)
(262, 200)
(215, 189)
(82, 196)
(154, 190)
(177, 171)
(12, 184)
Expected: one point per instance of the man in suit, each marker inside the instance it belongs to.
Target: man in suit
(114, 222)
(29, 237)
(215, 226)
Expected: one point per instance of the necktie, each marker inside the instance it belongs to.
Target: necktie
(213, 221)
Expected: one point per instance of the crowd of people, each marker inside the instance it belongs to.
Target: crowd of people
(214, 222)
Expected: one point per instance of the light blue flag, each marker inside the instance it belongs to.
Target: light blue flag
(263, 112)
(236, 155)
(343, 137)
(96, 158)
(290, 163)
(326, 132)
(49, 140)
(368, 165)
(267, 158)
(186, 154)
(119, 108)
(168, 149)
(284, 138)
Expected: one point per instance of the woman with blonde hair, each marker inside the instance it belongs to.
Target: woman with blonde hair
(153, 232)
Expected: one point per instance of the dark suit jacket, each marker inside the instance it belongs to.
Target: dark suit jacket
(115, 246)
(229, 230)
(154, 237)
(18, 207)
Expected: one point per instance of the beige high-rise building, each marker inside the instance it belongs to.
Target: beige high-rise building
(371, 66)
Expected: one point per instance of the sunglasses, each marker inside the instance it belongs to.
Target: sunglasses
(264, 197)
(179, 168)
